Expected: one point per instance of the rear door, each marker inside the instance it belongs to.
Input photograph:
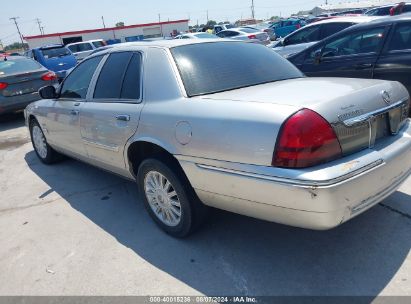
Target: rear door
(111, 116)
(395, 60)
(63, 115)
(352, 54)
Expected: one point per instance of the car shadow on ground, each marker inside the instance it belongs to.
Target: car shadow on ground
(11, 121)
(237, 255)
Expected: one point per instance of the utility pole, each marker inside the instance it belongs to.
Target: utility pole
(207, 16)
(39, 23)
(161, 26)
(42, 29)
(18, 30)
(102, 19)
(252, 9)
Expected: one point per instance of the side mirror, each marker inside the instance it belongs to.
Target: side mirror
(317, 57)
(48, 92)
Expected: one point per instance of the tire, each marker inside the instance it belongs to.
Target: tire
(178, 215)
(43, 150)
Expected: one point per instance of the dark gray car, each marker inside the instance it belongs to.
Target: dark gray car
(20, 79)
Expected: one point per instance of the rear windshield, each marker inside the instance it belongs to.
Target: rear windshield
(55, 52)
(17, 66)
(215, 67)
(205, 35)
(248, 30)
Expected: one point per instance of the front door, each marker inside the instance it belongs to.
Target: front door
(63, 118)
(395, 61)
(349, 55)
(111, 116)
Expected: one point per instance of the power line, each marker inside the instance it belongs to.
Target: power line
(18, 30)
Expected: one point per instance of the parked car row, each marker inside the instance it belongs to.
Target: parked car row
(379, 49)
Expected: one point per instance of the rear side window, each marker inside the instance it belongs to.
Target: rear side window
(75, 86)
(98, 44)
(131, 83)
(18, 66)
(120, 77)
(55, 52)
(401, 39)
(215, 67)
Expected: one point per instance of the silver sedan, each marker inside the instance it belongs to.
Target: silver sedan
(246, 34)
(230, 125)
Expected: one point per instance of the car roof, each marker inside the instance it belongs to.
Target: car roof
(357, 19)
(167, 43)
(385, 20)
(87, 41)
(49, 46)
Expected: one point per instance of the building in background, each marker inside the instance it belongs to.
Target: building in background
(112, 35)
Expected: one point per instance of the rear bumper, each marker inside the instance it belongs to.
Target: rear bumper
(15, 103)
(314, 201)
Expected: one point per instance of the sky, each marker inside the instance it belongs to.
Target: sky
(63, 16)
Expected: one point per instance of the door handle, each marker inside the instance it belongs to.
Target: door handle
(363, 66)
(123, 117)
(74, 112)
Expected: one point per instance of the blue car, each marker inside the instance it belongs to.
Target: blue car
(284, 27)
(56, 58)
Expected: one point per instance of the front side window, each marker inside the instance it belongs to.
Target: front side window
(75, 86)
(84, 47)
(308, 34)
(363, 42)
(216, 67)
(332, 28)
(120, 77)
(401, 39)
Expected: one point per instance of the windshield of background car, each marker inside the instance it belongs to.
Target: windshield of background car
(55, 52)
(216, 67)
(17, 66)
(248, 30)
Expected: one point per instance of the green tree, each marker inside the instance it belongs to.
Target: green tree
(211, 23)
(120, 24)
(16, 46)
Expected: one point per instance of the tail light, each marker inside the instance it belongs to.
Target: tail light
(306, 139)
(49, 76)
(252, 37)
(3, 85)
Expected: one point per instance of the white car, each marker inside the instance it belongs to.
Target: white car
(312, 33)
(197, 36)
(82, 49)
(246, 34)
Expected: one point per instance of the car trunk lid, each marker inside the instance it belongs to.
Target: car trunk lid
(361, 111)
(23, 83)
